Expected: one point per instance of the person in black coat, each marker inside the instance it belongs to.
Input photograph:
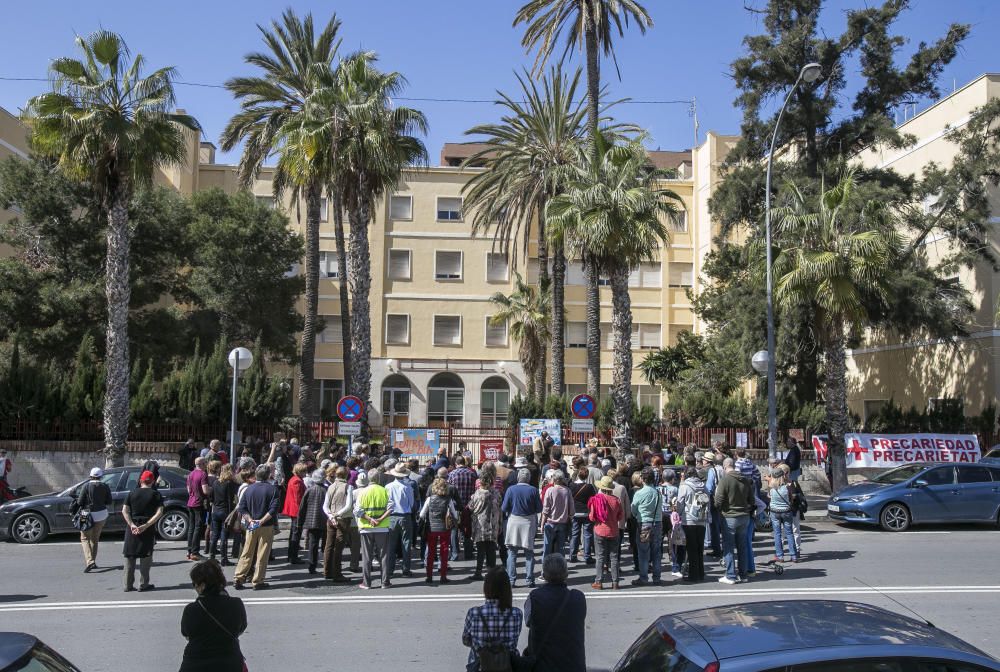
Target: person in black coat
(556, 618)
(311, 518)
(794, 460)
(212, 623)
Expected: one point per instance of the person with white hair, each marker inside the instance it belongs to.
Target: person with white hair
(556, 618)
(258, 509)
(311, 519)
(557, 515)
(522, 506)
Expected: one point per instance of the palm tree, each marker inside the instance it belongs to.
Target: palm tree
(377, 141)
(526, 157)
(613, 210)
(839, 257)
(527, 312)
(590, 25)
(109, 124)
(276, 117)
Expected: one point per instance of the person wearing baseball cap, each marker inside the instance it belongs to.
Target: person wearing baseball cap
(93, 496)
(142, 509)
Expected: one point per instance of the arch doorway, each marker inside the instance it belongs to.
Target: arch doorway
(494, 402)
(445, 400)
(396, 401)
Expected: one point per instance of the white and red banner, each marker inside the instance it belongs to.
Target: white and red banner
(892, 450)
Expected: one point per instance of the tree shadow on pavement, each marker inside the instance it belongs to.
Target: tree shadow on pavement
(20, 598)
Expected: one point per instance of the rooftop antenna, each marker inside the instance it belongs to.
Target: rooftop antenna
(895, 601)
(693, 113)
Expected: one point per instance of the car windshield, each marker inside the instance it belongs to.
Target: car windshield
(899, 474)
(653, 651)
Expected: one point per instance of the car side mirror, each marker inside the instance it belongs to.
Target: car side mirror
(920, 483)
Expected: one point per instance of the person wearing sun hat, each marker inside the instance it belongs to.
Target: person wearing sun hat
(608, 516)
(142, 509)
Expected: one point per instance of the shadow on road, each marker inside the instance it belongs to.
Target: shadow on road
(20, 598)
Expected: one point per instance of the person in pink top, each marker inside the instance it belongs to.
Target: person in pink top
(608, 516)
(197, 505)
(557, 514)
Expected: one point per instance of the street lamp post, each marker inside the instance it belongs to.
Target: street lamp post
(240, 359)
(809, 73)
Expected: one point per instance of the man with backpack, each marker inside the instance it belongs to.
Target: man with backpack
(693, 505)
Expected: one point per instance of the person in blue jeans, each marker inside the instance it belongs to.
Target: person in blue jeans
(647, 508)
(734, 498)
(557, 513)
(781, 516)
(521, 504)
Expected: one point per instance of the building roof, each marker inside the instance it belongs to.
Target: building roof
(454, 153)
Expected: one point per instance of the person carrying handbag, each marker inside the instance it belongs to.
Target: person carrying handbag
(212, 624)
(90, 514)
(492, 630)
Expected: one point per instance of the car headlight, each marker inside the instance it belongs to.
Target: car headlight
(860, 498)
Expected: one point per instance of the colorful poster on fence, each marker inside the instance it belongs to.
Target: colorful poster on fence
(417, 442)
(530, 428)
(490, 449)
(893, 450)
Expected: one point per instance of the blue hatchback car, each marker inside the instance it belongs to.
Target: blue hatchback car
(799, 636)
(922, 493)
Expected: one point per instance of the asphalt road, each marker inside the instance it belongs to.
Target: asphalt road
(945, 574)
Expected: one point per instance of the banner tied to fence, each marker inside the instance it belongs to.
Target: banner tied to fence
(892, 450)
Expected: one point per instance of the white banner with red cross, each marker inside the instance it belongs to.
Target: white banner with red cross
(892, 450)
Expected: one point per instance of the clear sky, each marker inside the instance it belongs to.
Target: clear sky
(457, 49)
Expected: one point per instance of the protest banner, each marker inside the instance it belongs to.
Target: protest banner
(417, 442)
(882, 451)
(490, 449)
(532, 427)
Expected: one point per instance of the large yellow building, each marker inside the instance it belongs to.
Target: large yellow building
(437, 360)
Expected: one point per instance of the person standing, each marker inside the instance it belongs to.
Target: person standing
(371, 508)
(197, 505)
(794, 460)
(522, 506)
(496, 623)
(781, 497)
(438, 511)
(212, 624)
(734, 499)
(401, 501)
(557, 512)
(693, 506)
(713, 529)
(258, 509)
(185, 455)
(95, 497)
(341, 528)
(621, 492)
(647, 507)
(293, 498)
(223, 504)
(311, 519)
(143, 507)
(463, 479)
(556, 617)
(606, 513)
(485, 509)
(582, 489)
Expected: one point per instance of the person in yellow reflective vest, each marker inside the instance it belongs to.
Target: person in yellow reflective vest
(371, 508)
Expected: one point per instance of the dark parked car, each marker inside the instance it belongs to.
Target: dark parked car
(799, 636)
(32, 519)
(992, 457)
(21, 652)
(922, 493)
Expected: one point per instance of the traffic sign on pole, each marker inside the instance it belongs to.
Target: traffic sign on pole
(584, 406)
(350, 408)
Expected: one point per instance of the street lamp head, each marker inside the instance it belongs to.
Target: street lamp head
(245, 358)
(810, 72)
(759, 361)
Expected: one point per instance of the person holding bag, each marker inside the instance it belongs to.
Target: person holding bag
(212, 624)
(224, 518)
(492, 630)
(90, 513)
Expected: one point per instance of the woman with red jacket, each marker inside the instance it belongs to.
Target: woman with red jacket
(293, 498)
(607, 514)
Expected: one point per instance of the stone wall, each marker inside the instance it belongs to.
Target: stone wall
(45, 466)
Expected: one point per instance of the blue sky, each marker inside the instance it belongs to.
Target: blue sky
(457, 49)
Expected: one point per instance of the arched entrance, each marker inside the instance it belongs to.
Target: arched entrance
(396, 401)
(445, 400)
(494, 402)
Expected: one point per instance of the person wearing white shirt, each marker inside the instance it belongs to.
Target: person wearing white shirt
(341, 528)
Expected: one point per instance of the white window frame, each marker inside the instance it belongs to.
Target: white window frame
(409, 197)
(486, 333)
(406, 340)
(327, 319)
(461, 325)
(409, 265)
(506, 274)
(679, 224)
(461, 266)
(437, 209)
(324, 209)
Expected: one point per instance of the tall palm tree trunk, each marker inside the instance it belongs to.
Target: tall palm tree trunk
(558, 320)
(361, 282)
(118, 291)
(593, 73)
(543, 281)
(621, 329)
(590, 274)
(835, 398)
(307, 350)
(345, 302)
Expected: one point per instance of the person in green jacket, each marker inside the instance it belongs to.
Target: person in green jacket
(371, 508)
(734, 499)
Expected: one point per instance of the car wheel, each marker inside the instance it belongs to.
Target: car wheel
(173, 525)
(30, 528)
(895, 518)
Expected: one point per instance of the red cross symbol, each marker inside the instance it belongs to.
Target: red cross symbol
(856, 449)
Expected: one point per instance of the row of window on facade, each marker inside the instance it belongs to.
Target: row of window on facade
(447, 209)
(446, 400)
(449, 266)
(448, 330)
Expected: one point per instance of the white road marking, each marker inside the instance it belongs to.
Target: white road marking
(396, 597)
